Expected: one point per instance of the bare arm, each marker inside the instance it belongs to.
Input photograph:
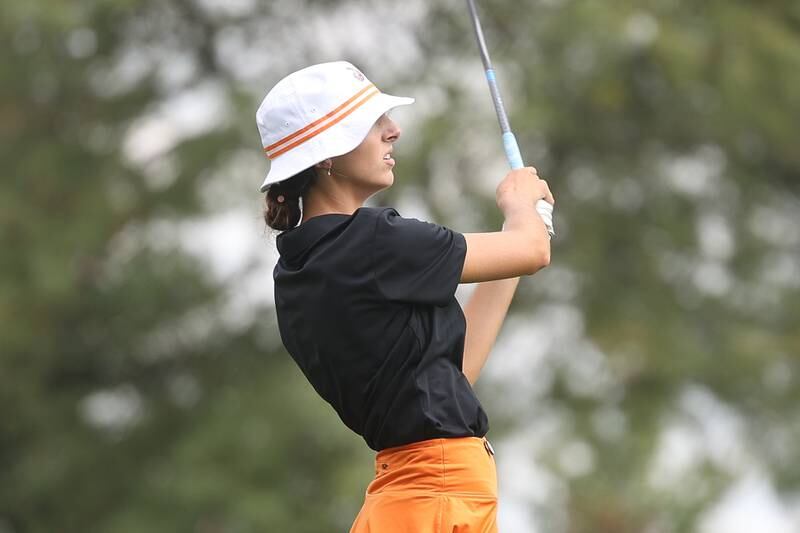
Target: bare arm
(485, 312)
(497, 259)
(523, 248)
(525, 251)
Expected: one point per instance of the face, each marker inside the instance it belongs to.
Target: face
(368, 166)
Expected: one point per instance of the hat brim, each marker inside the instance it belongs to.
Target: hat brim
(339, 139)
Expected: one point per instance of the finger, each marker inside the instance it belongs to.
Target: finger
(547, 194)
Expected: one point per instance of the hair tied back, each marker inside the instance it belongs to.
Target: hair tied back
(283, 200)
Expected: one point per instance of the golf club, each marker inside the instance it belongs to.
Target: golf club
(513, 154)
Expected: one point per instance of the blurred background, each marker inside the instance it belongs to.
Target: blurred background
(647, 381)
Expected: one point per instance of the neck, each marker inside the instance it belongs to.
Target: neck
(332, 196)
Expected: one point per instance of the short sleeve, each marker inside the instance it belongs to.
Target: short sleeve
(416, 261)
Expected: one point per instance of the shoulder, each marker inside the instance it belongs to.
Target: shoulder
(377, 220)
(388, 216)
(387, 224)
(376, 213)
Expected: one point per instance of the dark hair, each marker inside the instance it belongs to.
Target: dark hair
(285, 215)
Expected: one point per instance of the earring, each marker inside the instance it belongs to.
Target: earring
(329, 172)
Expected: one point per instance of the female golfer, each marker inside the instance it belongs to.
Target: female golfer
(365, 299)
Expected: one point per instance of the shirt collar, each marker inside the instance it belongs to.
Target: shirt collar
(292, 243)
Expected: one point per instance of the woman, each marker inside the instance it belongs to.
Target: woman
(365, 299)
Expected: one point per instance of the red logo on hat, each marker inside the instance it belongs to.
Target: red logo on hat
(356, 74)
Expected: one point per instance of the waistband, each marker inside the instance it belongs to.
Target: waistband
(453, 465)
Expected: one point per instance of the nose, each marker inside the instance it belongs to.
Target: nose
(391, 131)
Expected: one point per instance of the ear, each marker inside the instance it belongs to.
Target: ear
(325, 165)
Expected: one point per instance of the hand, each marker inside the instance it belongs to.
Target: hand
(521, 189)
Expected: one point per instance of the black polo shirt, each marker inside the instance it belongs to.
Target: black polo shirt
(366, 307)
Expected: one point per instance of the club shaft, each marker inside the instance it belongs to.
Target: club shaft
(487, 65)
(509, 140)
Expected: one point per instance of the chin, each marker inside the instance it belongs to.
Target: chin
(386, 182)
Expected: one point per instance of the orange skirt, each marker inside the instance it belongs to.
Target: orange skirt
(432, 486)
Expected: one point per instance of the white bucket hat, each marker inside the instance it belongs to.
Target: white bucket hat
(318, 112)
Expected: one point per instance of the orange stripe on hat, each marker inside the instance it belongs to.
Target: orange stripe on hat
(322, 123)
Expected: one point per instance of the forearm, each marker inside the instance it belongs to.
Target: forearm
(485, 312)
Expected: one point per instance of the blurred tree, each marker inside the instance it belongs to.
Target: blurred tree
(131, 395)
(128, 400)
(669, 132)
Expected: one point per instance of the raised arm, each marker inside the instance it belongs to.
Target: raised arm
(523, 247)
(498, 259)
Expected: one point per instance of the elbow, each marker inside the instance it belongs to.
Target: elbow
(470, 379)
(545, 257)
(540, 258)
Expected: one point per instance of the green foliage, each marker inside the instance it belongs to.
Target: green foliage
(657, 123)
(130, 400)
(213, 427)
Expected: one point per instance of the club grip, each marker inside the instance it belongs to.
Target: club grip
(514, 157)
(512, 150)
